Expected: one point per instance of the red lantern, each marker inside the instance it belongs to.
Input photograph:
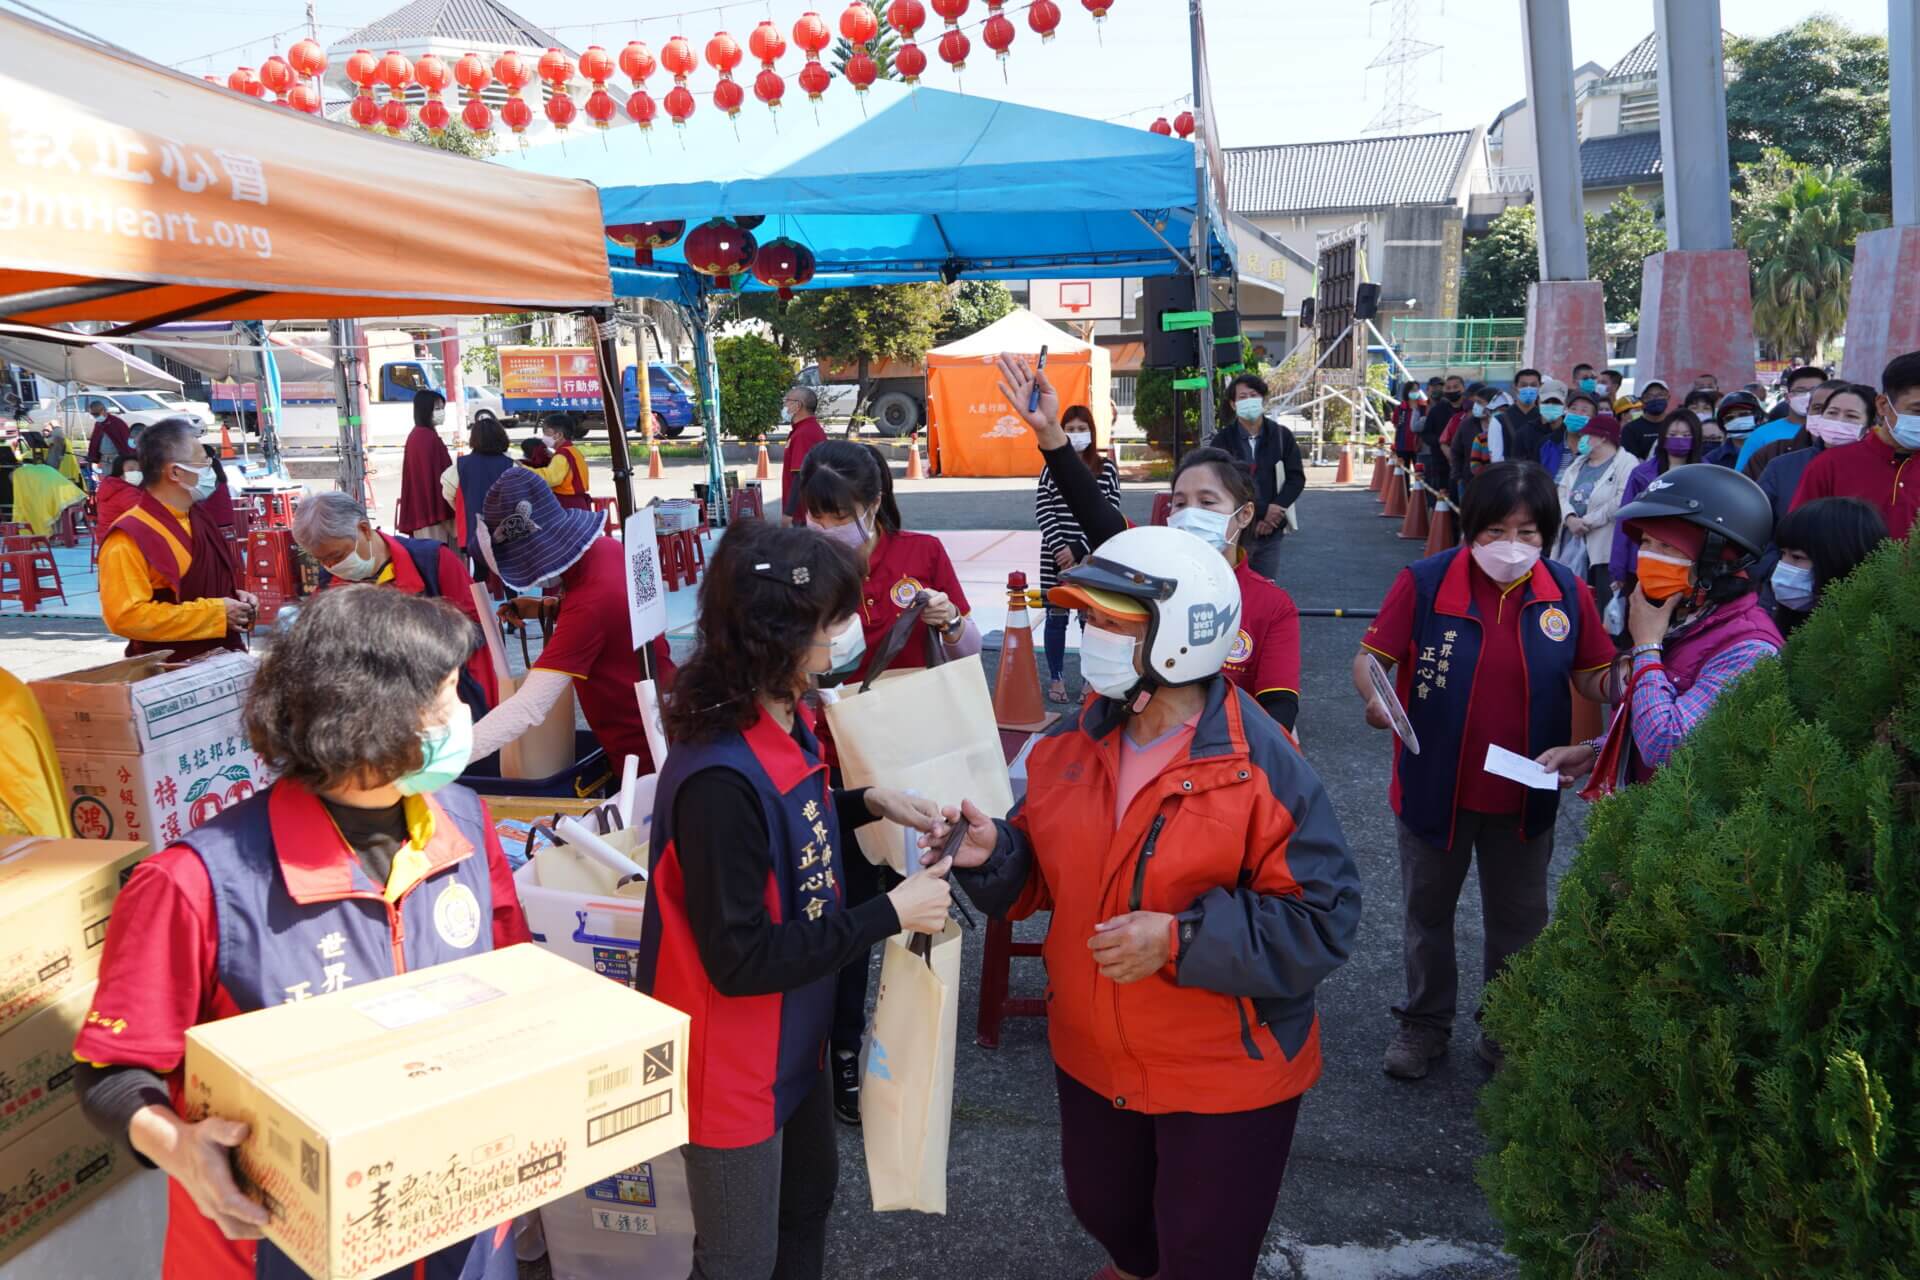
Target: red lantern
(770, 88)
(362, 68)
(596, 64)
(396, 71)
(307, 59)
(641, 109)
(815, 79)
(783, 264)
(517, 114)
(1098, 8)
(1044, 17)
(910, 60)
(364, 111)
(432, 75)
(906, 17)
(862, 71)
(721, 250)
(678, 58)
(561, 111)
(305, 96)
(644, 237)
(858, 24)
(811, 34)
(680, 104)
(556, 68)
(477, 115)
(601, 109)
(471, 74)
(511, 70)
(998, 33)
(394, 114)
(637, 61)
(729, 96)
(767, 44)
(242, 80)
(954, 47)
(277, 75)
(1183, 124)
(434, 115)
(723, 55)
(1161, 127)
(951, 10)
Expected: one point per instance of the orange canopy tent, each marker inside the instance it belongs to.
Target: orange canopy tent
(134, 194)
(972, 430)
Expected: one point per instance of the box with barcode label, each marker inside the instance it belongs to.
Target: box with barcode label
(55, 897)
(392, 1120)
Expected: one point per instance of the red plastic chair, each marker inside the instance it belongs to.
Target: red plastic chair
(610, 508)
(24, 577)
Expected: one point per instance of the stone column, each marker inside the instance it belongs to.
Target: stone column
(1883, 315)
(1696, 299)
(1566, 311)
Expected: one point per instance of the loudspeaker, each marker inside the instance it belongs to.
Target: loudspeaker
(1164, 350)
(1366, 302)
(1306, 315)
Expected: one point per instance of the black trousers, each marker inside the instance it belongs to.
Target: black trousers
(864, 882)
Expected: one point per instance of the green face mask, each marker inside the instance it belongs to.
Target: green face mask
(445, 750)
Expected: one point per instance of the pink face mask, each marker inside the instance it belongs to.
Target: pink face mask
(851, 535)
(1832, 431)
(1506, 562)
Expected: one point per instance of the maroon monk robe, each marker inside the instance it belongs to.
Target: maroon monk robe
(211, 575)
(420, 501)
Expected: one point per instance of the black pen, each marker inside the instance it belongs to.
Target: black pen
(1033, 397)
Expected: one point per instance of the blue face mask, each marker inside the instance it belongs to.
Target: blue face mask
(1589, 385)
(1553, 412)
(445, 750)
(1527, 396)
(1793, 586)
(1586, 445)
(1906, 432)
(1577, 421)
(1737, 427)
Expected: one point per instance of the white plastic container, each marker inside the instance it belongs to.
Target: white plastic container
(634, 1226)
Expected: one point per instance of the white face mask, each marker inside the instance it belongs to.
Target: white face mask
(1211, 527)
(354, 567)
(439, 416)
(131, 476)
(1832, 431)
(1505, 561)
(1080, 440)
(1798, 402)
(1250, 409)
(848, 646)
(1106, 662)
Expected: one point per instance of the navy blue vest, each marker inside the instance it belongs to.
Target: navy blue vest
(753, 1058)
(1429, 782)
(476, 473)
(274, 949)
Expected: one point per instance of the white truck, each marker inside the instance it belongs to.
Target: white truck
(897, 402)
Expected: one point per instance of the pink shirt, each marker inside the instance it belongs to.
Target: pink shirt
(1141, 764)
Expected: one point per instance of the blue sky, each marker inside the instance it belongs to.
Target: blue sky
(1283, 70)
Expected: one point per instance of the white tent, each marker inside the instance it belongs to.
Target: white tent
(98, 364)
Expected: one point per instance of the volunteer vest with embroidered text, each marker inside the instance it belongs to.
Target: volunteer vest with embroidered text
(1428, 784)
(753, 1058)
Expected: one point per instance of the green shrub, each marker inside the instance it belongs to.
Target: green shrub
(1712, 1053)
(754, 379)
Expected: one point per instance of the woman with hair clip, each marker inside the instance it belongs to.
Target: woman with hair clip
(747, 917)
(846, 492)
(1063, 543)
(1214, 499)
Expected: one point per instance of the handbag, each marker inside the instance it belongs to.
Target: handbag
(906, 1091)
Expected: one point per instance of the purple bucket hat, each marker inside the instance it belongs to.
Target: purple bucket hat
(533, 537)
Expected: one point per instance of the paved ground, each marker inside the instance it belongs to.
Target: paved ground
(1381, 1180)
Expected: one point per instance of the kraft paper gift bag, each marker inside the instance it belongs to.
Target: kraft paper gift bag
(906, 1094)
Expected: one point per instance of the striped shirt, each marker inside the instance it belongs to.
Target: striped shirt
(1058, 528)
(1662, 718)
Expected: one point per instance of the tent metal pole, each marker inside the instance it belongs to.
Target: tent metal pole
(15, 304)
(606, 335)
(1202, 224)
(705, 367)
(346, 379)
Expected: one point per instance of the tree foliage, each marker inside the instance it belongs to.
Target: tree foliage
(880, 48)
(1817, 91)
(1503, 262)
(754, 378)
(972, 305)
(456, 138)
(1710, 1057)
(1619, 242)
(1800, 241)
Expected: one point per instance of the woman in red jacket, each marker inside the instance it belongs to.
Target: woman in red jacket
(1201, 889)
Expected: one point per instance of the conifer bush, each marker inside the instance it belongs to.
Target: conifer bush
(1713, 1052)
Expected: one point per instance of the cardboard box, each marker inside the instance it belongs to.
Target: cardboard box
(55, 896)
(36, 1063)
(161, 795)
(52, 1172)
(393, 1119)
(139, 705)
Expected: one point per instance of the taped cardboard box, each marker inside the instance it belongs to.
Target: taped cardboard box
(138, 705)
(36, 1063)
(52, 1172)
(55, 897)
(390, 1120)
(160, 796)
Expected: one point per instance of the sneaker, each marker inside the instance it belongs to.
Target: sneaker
(1412, 1049)
(1490, 1051)
(846, 1086)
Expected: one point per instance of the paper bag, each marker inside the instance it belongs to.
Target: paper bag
(906, 1093)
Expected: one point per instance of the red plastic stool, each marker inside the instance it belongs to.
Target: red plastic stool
(66, 529)
(748, 502)
(995, 1004)
(609, 508)
(24, 575)
(680, 558)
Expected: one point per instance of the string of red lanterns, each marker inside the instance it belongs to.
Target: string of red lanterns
(294, 79)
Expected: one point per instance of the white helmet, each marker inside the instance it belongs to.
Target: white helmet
(1181, 585)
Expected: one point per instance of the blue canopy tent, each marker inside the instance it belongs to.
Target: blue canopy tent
(912, 184)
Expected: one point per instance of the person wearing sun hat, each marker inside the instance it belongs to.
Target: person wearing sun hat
(533, 542)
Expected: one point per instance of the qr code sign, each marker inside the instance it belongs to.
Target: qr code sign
(646, 580)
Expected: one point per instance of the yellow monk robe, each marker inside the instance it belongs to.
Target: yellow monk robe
(33, 795)
(128, 585)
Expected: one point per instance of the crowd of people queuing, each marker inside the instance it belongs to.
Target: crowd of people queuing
(1639, 555)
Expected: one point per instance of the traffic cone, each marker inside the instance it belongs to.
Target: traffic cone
(1440, 529)
(653, 459)
(1379, 480)
(1345, 474)
(226, 441)
(914, 470)
(1413, 526)
(1017, 702)
(760, 464)
(1396, 503)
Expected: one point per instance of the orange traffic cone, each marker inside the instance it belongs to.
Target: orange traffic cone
(1017, 701)
(1379, 480)
(1396, 502)
(1345, 473)
(1440, 529)
(914, 470)
(760, 464)
(653, 459)
(226, 441)
(1414, 525)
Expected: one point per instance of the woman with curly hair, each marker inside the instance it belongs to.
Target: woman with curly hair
(362, 861)
(747, 923)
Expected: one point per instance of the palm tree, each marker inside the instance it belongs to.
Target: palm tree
(1800, 243)
(880, 48)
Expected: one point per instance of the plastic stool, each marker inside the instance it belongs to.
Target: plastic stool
(610, 509)
(995, 1004)
(23, 578)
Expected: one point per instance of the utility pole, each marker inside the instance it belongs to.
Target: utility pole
(1202, 226)
(313, 24)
